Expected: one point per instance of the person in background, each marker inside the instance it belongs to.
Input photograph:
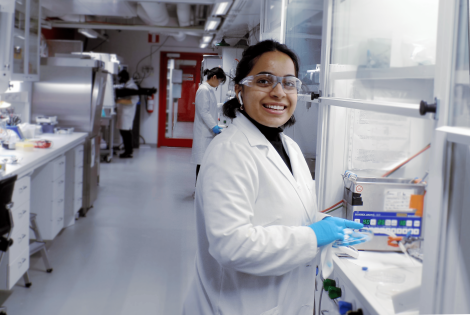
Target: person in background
(126, 112)
(205, 121)
(258, 227)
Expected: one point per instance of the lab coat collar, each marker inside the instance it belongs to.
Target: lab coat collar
(209, 86)
(256, 138)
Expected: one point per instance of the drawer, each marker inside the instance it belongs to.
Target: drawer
(79, 154)
(58, 188)
(78, 191)
(20, 237)
(57, 225)
(77, 204)
(17, 268)
(20, 212)
(58, 208)
(58, 167)
(22, 190)
(78, 174)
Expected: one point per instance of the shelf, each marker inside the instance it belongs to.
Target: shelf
(417, 72)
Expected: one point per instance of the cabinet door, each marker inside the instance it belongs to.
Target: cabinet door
(6, 23)
(19, 39)
(34, 40)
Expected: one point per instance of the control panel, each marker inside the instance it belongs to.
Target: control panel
(397, 222)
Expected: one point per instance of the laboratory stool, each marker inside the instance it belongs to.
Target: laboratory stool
(38, 245)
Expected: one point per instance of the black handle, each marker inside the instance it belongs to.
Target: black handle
(424, 108)
(314, 96)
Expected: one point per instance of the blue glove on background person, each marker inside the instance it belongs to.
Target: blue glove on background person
(331, 229)
(217, 130)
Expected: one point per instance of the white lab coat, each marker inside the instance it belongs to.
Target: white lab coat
(126, 113)
(204, 120)
(256, 254)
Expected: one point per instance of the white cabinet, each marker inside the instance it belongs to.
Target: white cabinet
(25, 40)
(48, 197)
(73, 184)
(18, 253)
(6, 22)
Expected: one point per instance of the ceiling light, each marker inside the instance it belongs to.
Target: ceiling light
(203, 45)
(223, 43)
(88, 32)
(212, 24)
(221, 7)
(206, 38)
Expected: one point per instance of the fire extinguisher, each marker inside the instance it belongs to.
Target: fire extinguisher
(150, 103)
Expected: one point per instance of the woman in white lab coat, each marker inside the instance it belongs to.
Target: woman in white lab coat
(206, 121)
(126, 112)
(258, 228)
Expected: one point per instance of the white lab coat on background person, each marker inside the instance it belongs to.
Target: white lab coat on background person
(204, 120)
(126, 113)
(256, 253)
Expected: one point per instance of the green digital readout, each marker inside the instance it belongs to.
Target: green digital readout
(366, 221)
(402, 223)
(380, 222)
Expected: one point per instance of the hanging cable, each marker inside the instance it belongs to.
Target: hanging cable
(406, 161)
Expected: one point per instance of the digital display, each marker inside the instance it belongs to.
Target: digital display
(366, 221)
(380, 222)
(402, 223)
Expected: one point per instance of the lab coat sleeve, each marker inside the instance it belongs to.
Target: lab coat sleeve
(229, 189)
(203, 106)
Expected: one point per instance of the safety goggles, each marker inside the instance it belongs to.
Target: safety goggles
(266, 82)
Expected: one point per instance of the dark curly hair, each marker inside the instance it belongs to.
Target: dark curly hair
(249, 58)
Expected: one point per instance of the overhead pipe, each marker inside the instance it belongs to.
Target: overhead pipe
(183, 11)
(153, 13)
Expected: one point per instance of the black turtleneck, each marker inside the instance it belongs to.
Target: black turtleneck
(272, 134)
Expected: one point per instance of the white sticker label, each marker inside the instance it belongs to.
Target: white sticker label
(397, 199)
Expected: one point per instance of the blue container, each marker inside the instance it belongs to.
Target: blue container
(17, 130)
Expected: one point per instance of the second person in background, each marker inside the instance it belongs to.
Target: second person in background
(205, 121)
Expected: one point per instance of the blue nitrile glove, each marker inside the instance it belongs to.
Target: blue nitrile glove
(217, 130)
(331, 229)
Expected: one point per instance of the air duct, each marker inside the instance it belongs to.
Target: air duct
(153, 13)
(180, 36)
(183, 10)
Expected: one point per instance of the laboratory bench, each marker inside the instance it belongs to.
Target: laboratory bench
(49, 184)
(369, 282)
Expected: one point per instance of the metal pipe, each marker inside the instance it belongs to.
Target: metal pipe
(195, 30)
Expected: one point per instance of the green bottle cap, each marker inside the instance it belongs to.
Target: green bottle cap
(334, 293)
(328, 283)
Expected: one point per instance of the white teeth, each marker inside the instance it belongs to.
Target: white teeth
(275, 107)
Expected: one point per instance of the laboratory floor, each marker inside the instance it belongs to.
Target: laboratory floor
(134, 251)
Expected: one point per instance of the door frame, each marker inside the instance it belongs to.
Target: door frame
(162, 140)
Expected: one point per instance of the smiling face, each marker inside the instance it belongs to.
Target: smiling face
(274, 108)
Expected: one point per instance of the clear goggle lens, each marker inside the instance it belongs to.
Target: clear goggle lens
(267, 82)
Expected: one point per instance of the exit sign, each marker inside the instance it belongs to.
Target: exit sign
(153, 38)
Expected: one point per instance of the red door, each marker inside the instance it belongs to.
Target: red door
(179, 80)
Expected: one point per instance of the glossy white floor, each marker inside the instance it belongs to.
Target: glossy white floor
(134, 251)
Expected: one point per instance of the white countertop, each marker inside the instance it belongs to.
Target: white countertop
(370, 292)
(31, 160)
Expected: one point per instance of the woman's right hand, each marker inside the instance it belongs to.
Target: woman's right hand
(331, 229)
(217, 130)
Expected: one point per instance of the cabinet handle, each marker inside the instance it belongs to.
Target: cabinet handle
(62, 163)
(21, 238)
(23, 188)
(61, 182)
(10, 205)
(21, 214)
(61, 200)
(20, 263)
(60, 219)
